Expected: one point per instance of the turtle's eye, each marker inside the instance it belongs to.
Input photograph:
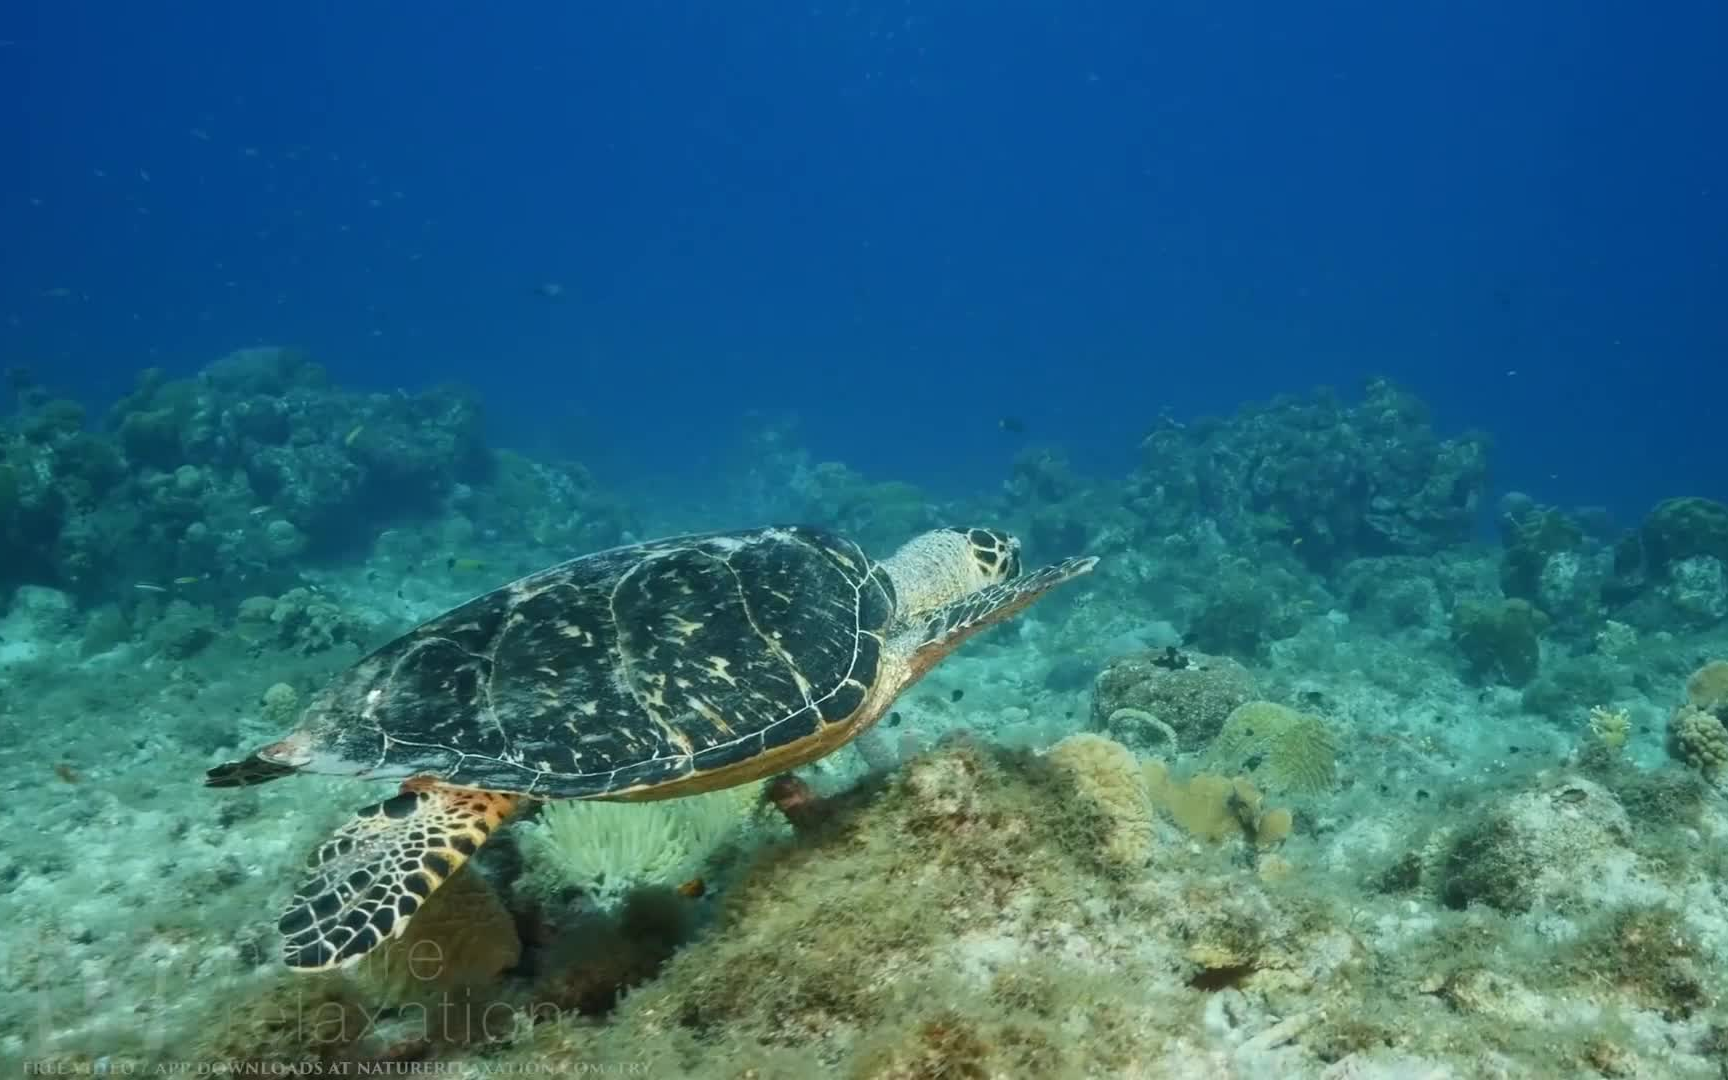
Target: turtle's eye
(997, 553)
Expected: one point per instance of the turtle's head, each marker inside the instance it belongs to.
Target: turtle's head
(321, 744)
(943, 565)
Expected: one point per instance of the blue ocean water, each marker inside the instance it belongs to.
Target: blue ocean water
(627, 225)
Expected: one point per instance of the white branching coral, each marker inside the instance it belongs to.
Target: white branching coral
(607, 848)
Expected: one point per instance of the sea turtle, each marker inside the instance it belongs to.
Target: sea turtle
(643, 672)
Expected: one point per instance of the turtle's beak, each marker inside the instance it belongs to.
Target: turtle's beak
(298, 752)
(246, 772)
(304, 751)
(281, 758)
(294, 752)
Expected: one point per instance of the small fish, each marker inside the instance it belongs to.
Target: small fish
(551, 290)
(190, 579)
(256, 510)
(464, 565)
(1013, 425)
(67, 773)
(894, 718)
(693, 889)
(149, 587)
(348, 440)
(957, 694)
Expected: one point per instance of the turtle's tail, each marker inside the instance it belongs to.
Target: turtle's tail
(246, 772)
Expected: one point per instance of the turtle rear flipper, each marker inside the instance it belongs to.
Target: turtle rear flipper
(376, 871)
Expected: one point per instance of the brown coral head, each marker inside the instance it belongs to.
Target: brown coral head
(795, 799)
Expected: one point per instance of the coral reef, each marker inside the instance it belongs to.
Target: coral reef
(301, 620)
(1343, 481)
(253, 465)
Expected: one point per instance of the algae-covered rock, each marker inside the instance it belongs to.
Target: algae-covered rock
(1500, 641)
(104, 628)
(183, 630)
(1242, 612)
(1395, 592)
(1553, 844)
(1567, 690)
(52, 421)
(282, 540)
(1532, 537)
(1190, 692)
(151, 437)
(1682, 528)
(1651, 954)
(1547, 560)
(1697, 590)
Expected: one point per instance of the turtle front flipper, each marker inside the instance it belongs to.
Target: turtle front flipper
(376, 871)
(943, 629)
